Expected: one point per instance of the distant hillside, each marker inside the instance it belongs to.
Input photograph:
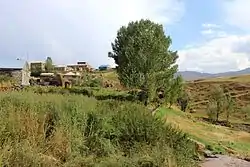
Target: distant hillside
(193, 75)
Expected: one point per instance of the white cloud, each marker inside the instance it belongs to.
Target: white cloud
(222, 51)
(237, 13)
(217, 55)
(210, 25)
(210, 30)
(74, 30)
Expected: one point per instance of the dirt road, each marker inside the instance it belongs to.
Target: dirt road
(225, 161)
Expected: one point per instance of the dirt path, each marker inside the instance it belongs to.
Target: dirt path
(225, 161)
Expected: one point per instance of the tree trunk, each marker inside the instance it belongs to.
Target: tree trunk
(218, 111)
(228, 116)
(146, 102)
(217, 115)
(170, 105)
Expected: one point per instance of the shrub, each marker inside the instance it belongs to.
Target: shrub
(89, 80)
(88, 133)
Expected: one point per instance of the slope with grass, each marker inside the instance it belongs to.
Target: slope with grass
(238, 87)
(216, 138)
(74, 130)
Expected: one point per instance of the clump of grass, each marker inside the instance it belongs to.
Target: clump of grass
(86, 132)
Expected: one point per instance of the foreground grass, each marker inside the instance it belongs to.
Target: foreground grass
(86, 132)
(216, 138)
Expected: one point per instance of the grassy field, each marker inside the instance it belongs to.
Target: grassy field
(218, 139)
(238, 86)
(98, 131)
(75, 130)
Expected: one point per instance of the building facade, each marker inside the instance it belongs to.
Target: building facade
(81, 66)
(37, 66)
(62, 68)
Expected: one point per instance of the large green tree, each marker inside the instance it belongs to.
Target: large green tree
(49, 67)
(141, 51)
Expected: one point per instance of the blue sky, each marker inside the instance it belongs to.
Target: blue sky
(210, 36)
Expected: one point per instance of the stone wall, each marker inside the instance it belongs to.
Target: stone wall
(21, 77)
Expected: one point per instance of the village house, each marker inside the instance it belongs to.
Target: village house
(81, 66)
(62, 68)
(37, 66)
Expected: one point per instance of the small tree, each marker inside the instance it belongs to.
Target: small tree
(216, 104)
(229, 106)
(183, 100)
(49, 67)
(141, 51)
(174, 91)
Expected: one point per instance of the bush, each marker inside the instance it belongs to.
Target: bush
(87, 133)
(6, 78)
(89, 80)
(211, 111)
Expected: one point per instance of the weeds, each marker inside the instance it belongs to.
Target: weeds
(86, 132)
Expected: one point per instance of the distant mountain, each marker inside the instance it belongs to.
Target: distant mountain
(193, 75)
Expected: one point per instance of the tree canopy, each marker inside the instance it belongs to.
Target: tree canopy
(49, 64)
(141, 51)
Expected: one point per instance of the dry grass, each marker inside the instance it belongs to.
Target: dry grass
(219, 137)
(87, 133)
(241, 78)
(238, 87)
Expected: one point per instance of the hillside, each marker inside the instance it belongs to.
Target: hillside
(193, 75)
(239, 88)
(218, 139)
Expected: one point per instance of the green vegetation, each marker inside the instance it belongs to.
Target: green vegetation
(220, 102)
(49, 67)
(5, 78)
(74, 130)
(101, 120)
(141, 51)
(218, 139)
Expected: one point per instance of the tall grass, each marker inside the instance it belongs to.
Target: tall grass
(86, 132)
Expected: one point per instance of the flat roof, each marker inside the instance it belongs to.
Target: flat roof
(36, 62)
(60, 66)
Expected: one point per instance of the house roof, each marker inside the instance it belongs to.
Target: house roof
(36, 62)
(60, 66)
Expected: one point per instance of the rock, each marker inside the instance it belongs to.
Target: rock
(199, 146)
(209, 154)
(247, 159)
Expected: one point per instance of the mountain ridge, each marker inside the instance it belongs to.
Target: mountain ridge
(194, 75)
